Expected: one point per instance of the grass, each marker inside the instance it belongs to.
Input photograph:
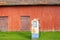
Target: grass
(27, 36)
(14, 35)
(50, 36)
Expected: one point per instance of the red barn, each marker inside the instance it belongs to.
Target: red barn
(16, 15)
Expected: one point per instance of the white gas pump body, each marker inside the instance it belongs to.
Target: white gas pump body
(35, 28)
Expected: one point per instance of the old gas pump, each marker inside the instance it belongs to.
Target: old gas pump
(35, 29)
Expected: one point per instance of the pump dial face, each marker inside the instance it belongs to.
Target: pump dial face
(34, 23)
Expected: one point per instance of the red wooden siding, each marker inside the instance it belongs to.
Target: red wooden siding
(49, 16)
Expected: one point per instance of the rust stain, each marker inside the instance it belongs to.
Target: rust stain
(2, 3)
(33, 30)
(43, 2)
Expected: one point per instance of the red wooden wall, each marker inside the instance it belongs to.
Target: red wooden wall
(49, 16)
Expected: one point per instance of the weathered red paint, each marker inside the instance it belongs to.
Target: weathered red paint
(49, 16)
